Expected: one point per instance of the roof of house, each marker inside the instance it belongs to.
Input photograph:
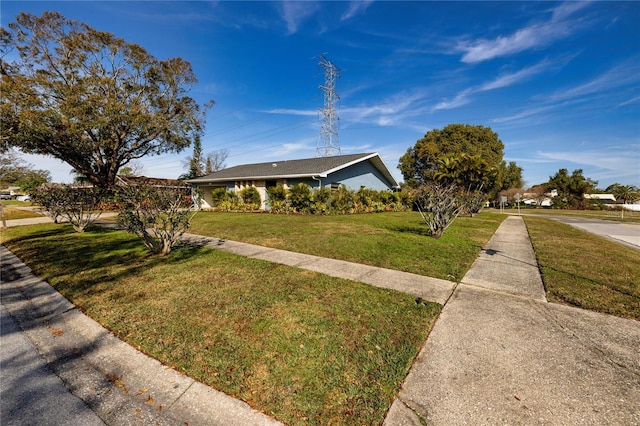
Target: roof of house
(289, 169)
(602, 197)
(145, 180)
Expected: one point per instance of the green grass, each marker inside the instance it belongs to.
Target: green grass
(11, 212)
(302, 346)
(584, 270)
(390, 240)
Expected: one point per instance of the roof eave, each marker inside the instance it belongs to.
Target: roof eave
(234, 178)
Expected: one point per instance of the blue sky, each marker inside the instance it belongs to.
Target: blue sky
(558, 81)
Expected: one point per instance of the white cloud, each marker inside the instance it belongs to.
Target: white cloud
(506, 80)
(390, 112)
(460, 99)
(356, 7)
(523, 39)
(619, 164)
(500, 82)
(630, 101)
(524, 114)
(287, 148)
(296, 12)
(288, 111)
(620, 75)
(614, 159)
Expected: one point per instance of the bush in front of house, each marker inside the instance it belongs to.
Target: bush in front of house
(303, 199)
(80, 205)
(224, 200)
(277, 199)
(300, 198)
(250, 198)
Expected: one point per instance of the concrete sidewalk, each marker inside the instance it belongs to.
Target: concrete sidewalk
(499, 354)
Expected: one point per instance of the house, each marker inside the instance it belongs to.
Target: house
(537, 199)
(151, 181)
(353, 171)
(603, 198)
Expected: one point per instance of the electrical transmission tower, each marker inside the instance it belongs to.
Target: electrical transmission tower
(328, 141)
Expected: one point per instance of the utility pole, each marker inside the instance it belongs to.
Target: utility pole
(328, 141)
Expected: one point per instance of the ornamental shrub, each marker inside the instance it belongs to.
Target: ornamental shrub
(300, 197)
(157, 215)
(251, 198)
(277, 199)
(80, 205)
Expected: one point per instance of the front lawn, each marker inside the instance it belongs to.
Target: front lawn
(585, 270)
(388, 240)
(301, 346)
(11, 212)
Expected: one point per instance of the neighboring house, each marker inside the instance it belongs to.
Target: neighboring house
(353, 171)
(151, 181)
(603, 198)
(15, 190)
(534, 199)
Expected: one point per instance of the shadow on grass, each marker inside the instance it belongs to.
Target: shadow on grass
(99, 255)
(416, 230)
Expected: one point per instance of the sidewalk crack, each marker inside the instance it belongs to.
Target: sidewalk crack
(181, 395)
(420, 418)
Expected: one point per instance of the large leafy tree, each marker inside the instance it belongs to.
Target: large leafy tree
(468, 172)
(572, 187)
(473, 151)
(510, 175)
(91, 99)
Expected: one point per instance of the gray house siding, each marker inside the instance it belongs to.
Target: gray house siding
(357, 176)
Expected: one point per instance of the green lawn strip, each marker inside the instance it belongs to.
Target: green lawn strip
(10, 213)
(582, 269)
(302, 346)
(397, 241)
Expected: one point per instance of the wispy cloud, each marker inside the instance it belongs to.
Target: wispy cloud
(296, 12)
(500, 82)
(556, 27)
(616, 78)
(389, 112)
(459, 100)
(290, 111)
(356, 7)
(620, 75)
(630, 101)
(525, 114)
(288, 148)
(612, 161)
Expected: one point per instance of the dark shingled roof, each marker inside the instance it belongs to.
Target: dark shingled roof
(293, 168)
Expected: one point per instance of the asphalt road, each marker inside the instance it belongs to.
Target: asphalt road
(627, 233)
